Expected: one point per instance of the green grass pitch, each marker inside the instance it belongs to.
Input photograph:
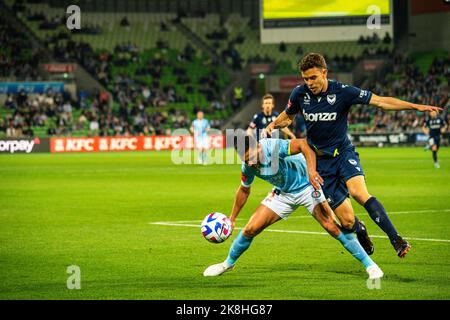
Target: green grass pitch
(96, 211)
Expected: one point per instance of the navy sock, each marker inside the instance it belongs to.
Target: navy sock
(379, 215)
(435, 156)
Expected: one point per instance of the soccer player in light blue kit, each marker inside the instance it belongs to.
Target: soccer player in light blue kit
(200, 128)
(281, 163)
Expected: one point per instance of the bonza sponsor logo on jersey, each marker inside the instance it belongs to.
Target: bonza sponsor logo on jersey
(321, 116)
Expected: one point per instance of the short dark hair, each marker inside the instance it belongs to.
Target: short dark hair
(243, 137)
(312, 60)
(268, 96)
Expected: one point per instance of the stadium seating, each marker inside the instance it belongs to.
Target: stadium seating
(144, 29)
(124, 58)
(129, 50)
(250, 48)
(416, 78)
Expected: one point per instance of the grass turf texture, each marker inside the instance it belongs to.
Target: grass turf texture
(95, 210)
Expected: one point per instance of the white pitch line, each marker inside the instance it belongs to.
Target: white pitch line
(172, 224)
(358, 214)
(389, 213)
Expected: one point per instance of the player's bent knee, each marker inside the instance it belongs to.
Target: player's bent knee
(348, 223)
(360, 196)
(251, 231)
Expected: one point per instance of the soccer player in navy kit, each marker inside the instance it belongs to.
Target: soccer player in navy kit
(262, 119)
(433, 127)
(325, 105)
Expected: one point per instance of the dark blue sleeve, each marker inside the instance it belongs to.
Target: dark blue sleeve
(293, 105)
(356, 95)
(254, 122)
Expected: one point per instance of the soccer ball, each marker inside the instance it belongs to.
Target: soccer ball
(216, 227)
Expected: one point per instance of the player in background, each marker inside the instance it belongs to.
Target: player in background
(281, 163)
(262, 119)
(433, 127)
(200, 128)
(325, 105)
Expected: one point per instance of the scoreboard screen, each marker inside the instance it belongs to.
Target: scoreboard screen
(292, 9)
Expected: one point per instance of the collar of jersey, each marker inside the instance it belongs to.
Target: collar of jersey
(330, 90)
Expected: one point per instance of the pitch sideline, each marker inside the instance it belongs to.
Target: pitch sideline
(185, 223)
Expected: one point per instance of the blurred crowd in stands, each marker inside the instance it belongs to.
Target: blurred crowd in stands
(60, 115)
(96, 116)
(144, 108)
(128, 90)
(406, 82)
(18, 59)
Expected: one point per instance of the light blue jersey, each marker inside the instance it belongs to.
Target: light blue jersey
(287, 173)
(200, 127)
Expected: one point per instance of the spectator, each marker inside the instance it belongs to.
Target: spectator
(13, 131)
(93, 127)
(387, 38)
(124, 22)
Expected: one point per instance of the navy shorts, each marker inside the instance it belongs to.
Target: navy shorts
(335, 173)
(435, 141)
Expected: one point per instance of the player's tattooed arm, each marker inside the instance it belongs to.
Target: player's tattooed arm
(282, 121)
(242, 195)
(390, 103)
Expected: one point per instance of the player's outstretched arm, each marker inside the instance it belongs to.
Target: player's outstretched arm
(242, 195)
(390, 103)
(283, 120)
(301, 146)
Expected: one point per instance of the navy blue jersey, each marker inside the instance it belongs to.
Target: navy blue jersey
(261, 121)
(435, 126)
(326, 114)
